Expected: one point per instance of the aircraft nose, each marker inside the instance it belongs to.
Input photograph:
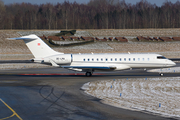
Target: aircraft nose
(171, 63)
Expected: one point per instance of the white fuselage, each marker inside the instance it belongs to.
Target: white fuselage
(120, 61)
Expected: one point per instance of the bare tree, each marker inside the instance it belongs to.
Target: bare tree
(96, 14)
(2, 13)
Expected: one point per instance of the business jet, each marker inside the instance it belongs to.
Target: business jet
(89, 63)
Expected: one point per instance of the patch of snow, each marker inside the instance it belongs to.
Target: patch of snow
(16, 56)
(139, 94)
(82, 33)
(66, 42)
(95, 45)
(85, 86)
(21, 66)
(166, 70)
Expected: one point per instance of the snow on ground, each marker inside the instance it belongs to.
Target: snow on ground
(142, 94)
(66, 42)
(95, 45)
(135, 32)
(167, 49)
(16, 56)
(82, 33)
(39, 33)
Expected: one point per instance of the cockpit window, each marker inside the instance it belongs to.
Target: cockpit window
(161, 57)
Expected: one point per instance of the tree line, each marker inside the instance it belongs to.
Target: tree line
(96, 14)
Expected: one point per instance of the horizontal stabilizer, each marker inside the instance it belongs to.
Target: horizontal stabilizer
(21, 38)
(37, 46)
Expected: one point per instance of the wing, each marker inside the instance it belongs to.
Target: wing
(90, 67)
(108, 67)
(93, 66)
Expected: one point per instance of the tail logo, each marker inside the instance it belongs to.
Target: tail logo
(39, 44)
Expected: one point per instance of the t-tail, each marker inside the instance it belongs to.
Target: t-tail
(37, 46)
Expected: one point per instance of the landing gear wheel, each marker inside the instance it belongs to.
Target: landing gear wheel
(161, 74)
(88, 74)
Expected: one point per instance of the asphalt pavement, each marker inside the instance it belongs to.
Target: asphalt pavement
(54, 93)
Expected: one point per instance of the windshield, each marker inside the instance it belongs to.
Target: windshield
(161, 57)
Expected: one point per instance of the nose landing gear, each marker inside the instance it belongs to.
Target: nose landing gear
(161, 74)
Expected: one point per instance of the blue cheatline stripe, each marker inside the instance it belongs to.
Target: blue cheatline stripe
(87, 67)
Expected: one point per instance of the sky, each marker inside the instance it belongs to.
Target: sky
(157, 2)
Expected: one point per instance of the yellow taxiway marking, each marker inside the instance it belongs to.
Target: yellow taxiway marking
(14, 113)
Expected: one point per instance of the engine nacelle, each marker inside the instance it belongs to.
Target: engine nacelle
(37, 60)
(59, 59)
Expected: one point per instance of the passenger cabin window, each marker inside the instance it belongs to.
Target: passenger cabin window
(97, 59)
(138, 59)
(111, 59)
(88, 59)
(124, 59)
(120, 59)
(129, 59)
(134, 59)
(92, 59)
(57, 58)
(161, 57)
(101, 59)
(106, 59)
(84, 59)
(143, 59)
(115, 59)
(148, 59)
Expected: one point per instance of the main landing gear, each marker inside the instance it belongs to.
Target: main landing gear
(88, 74)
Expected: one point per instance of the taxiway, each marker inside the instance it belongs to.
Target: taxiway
(55, 93)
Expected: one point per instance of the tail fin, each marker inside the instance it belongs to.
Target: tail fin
(37, 47)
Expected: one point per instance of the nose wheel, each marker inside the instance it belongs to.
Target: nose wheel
(161, 74)
(88, 74)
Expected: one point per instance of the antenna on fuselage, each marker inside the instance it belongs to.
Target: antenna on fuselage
(129, 53)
